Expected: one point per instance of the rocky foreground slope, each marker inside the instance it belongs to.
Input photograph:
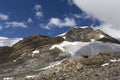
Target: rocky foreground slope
(79, 54)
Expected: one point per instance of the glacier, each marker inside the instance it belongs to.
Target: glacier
(86, 48)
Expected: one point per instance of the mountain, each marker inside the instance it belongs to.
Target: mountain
(65, 57)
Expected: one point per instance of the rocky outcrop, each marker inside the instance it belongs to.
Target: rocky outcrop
(5, 52)
(88, 34)
(78, 34)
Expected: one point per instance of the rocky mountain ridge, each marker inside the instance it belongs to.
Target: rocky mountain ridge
(88, 34)
(38, 57)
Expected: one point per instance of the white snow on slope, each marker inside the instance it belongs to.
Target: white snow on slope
(62, 35)
(8, 78)
(70, 47)
(106, 64)
(51, 65)
(89, 48)
(101, 36)
(115, 60)
(30, 76)
(4, 41)
(35, 52)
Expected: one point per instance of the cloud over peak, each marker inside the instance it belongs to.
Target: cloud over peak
(107, 11)
(56, 22)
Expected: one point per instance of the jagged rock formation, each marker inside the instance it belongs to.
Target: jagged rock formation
(88, 34)
(78, 34)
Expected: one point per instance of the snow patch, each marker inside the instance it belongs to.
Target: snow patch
(84, 27)
(51, 65)
(114, 60)
(30, 76)
(106, 64)
(64, 37)
(63, 34)
(92, 40)
(8, 78)
(14, 60)
(101, 36)
(35, 52)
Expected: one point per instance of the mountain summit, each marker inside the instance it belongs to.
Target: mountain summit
(87, 34)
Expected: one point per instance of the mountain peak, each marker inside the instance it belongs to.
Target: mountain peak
(87, 34)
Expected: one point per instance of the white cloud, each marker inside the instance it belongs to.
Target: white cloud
(5, 41)
(29, 20)
(15, 24)
(39, 14)
(56, 22)
(1, 27)
(3, 16)
(38, 11)
(83, 16)
(37, 7)
(108, 28)
(106, 11)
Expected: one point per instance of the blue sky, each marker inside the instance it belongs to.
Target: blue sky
(22, 18)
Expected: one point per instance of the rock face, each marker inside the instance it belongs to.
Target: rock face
(31, 43)
(5, 52)
(78, 34)
(88, 34)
